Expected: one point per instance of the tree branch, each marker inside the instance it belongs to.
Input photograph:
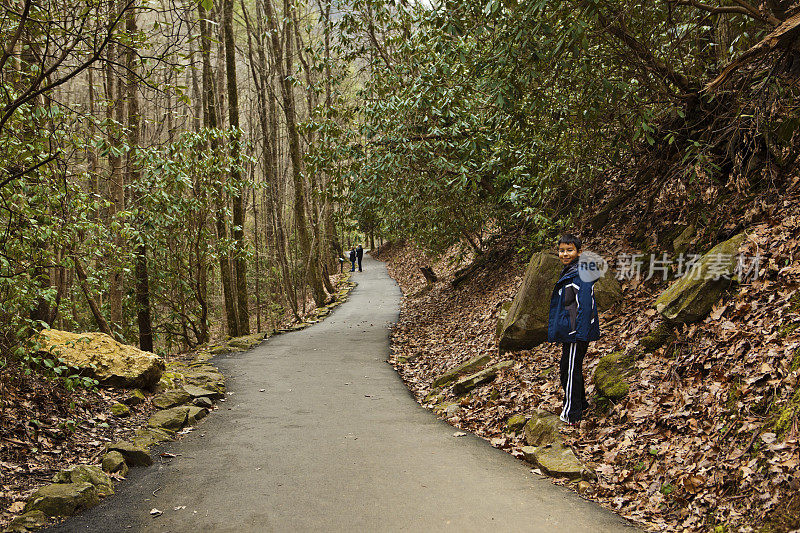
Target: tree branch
(653, 64)
(784, 34)
(23, 172)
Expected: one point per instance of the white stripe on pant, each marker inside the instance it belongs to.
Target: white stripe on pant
(572, 380)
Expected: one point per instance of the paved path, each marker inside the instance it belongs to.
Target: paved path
(335, 443)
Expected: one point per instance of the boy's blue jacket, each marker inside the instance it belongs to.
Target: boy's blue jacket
(586, 323)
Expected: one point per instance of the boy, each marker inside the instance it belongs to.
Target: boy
(573, 321)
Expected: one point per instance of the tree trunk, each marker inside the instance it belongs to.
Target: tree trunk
(116, 180)
(133, 175)
(90, 299)
(238, 203)
(210, 121)
(283, 62)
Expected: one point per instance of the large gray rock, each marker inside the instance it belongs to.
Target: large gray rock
(542, 428)
(63, 499)
(466, 384)
(471, 366)
(170, 419)
(89, 474)
(134, 455)
(525, 325)
(171, 398)
(692, 297)
(101, 357)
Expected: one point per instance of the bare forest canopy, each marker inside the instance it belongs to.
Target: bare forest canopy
(173, 170)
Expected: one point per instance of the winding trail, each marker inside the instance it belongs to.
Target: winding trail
(335, 443)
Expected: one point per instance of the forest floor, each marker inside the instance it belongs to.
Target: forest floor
(45, 427)
(696, 444)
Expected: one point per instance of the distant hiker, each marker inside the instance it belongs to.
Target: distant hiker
(360, 255)
(573, 322)
(352, 260)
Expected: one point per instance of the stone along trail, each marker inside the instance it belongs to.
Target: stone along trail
(335, 442)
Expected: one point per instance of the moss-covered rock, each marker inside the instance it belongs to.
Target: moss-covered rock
(607, 292)
(788, 414)
(220, 349)
(247, 341)
(609, 376)
(30, 521)
(170, 379)
(114, 462)
(199, 392)
(435, 396)
(171, 398)
(120, 410)
(471, 366)
(206, 377)
(171, 419)
(658, 337)
(501, 319)
(134, 455)
(204, 402)
(135, 397)
(556, 460)
(487, 375)
(542, 428)
(89, 474)
(63, 499)
(99, 356)
(692, 297)
(195, 414)
(526, 323)
(147, 437)
(681, 243)
(447, 409)
(516, 423)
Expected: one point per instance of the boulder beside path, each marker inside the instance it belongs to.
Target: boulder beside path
(99, 356)
(524, 326)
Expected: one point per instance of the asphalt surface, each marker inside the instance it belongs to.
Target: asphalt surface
(335, 442)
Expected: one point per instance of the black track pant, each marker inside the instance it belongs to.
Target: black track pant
(572, 355)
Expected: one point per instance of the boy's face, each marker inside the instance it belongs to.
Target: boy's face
(567, 253)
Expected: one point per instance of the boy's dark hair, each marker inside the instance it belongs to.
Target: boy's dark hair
(569, 238)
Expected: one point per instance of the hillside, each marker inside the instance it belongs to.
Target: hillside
(707, 434)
